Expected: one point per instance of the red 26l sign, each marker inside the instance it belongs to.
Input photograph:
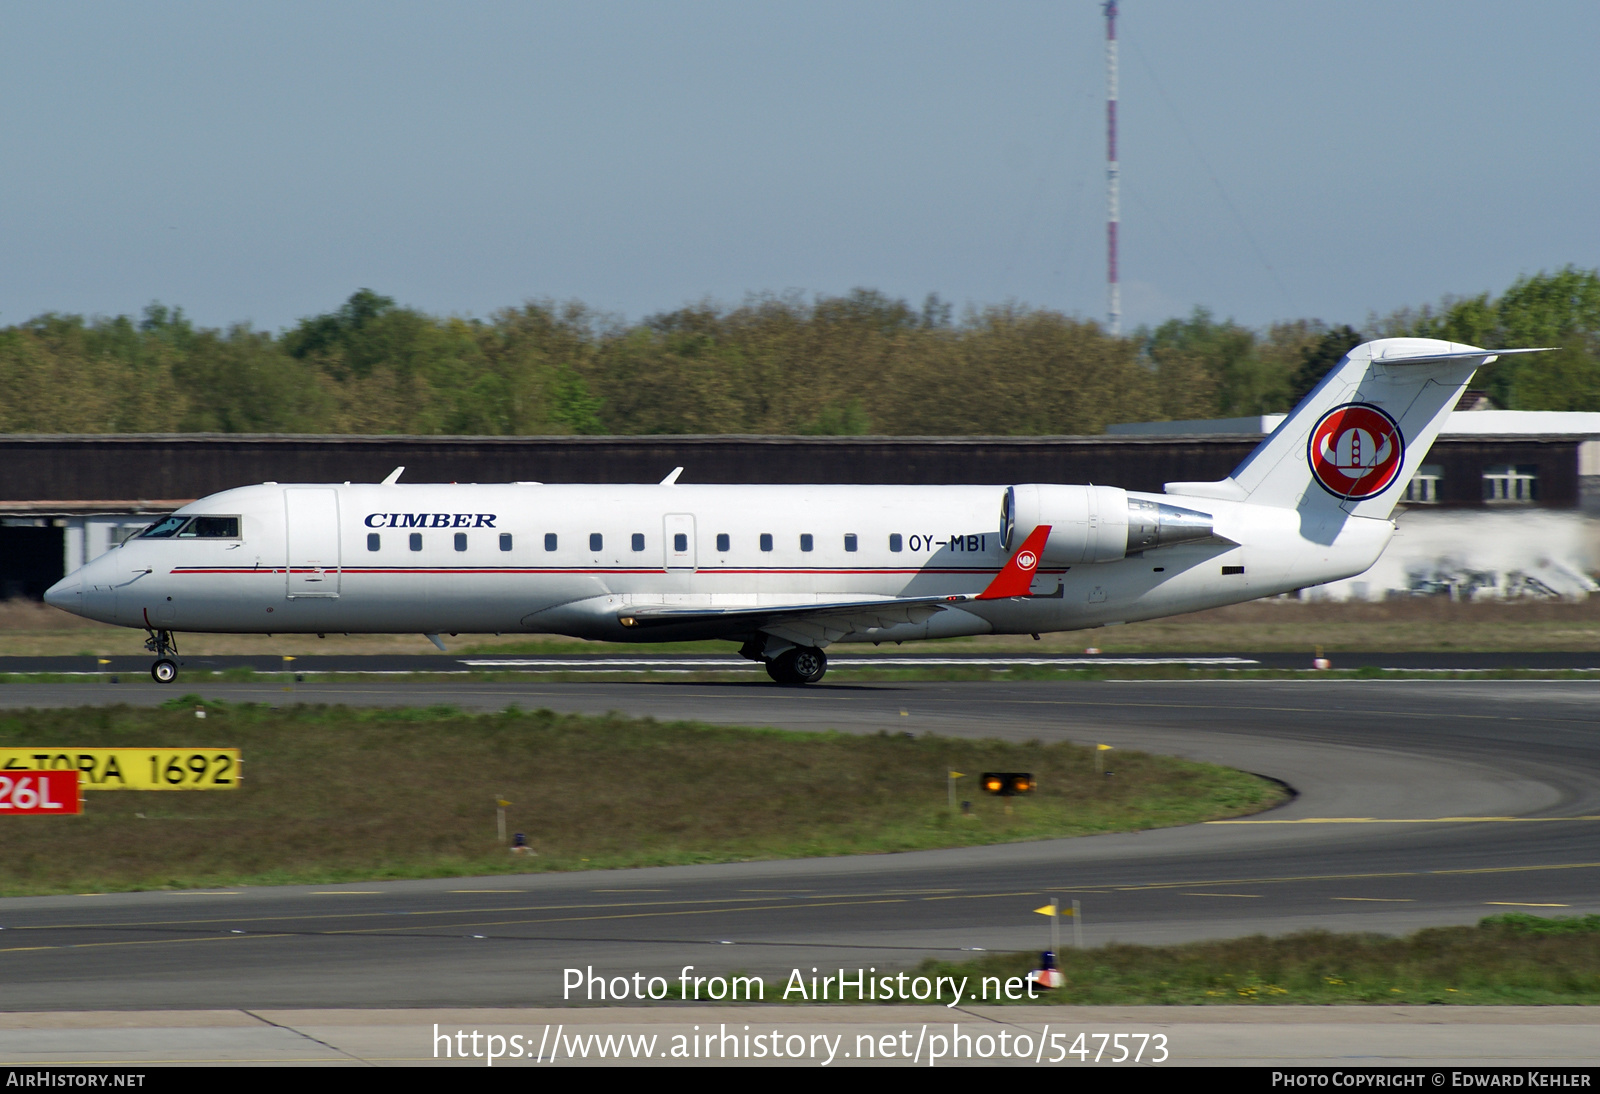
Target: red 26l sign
(40, 793)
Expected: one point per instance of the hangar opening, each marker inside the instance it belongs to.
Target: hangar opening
(32, 557)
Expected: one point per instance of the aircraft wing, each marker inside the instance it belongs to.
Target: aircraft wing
(805, 624)
(818, 624)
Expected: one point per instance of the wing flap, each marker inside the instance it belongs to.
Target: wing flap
(825, 621)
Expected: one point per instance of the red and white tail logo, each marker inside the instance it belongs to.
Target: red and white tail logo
(1356, 451)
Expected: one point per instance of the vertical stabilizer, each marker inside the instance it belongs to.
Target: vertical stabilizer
(1357, 439)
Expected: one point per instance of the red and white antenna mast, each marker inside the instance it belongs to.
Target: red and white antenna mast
(1113, 215)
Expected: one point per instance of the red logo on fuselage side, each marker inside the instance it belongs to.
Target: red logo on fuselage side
(1356, 451)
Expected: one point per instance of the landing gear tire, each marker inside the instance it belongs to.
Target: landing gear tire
(801, 665)
(164, 644)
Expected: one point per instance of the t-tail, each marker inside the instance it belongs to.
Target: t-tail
(1357, 439)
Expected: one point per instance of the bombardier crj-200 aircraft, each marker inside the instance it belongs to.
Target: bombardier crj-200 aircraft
(785, 571)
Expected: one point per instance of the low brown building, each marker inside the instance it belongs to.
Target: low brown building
(67, 499)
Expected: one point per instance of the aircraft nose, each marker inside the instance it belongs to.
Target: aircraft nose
(66, 594)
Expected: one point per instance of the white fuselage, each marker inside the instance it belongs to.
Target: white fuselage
(572, 559)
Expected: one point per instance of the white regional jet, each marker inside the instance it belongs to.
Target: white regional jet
(786, 571)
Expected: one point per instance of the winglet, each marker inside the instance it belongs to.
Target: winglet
(394, 477)
(1016, 576)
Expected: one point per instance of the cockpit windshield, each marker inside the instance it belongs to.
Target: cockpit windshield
(186, 527)
(165, 529)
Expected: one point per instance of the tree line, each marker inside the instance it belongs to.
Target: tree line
(854, 364)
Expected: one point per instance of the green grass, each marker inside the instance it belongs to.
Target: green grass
(1270, 626)
(1508, 959)
(1418, 624)
(332, 793)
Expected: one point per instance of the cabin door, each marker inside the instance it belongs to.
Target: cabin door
(312, 523)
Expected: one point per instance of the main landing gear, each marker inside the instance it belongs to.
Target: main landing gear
(794, 665)
(800, 665)
(164, 644)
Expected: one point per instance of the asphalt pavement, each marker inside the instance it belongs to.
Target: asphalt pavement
(644, 660)
(1417, 803)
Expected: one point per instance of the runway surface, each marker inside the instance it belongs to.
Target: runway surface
(1535, 1040)
(1419, 803)
(842, 658)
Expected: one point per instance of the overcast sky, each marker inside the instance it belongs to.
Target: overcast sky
(259, 162)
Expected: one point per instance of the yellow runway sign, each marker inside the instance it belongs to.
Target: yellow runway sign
(134, 768)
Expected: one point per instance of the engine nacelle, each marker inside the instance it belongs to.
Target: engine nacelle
(1095, 523)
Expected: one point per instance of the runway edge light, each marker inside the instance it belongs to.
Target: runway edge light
(1008, 783)
(1047, 975)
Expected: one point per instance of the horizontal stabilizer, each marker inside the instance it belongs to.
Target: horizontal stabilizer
(1487, 356)
(1225, 489)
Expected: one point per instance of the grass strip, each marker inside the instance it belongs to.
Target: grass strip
(1404, 624)
(836, 675)
(1514, 959)
(340, 794)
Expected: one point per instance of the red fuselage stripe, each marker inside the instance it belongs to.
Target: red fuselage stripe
(353, 570)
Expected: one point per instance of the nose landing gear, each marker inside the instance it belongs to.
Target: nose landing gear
(164, 644)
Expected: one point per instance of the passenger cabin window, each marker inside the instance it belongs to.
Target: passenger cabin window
(638, 541)
(416, 541)
(850, 541)
(597, 542)
(766, 541)
(461, 541)
(722, 542)
(549, 541)
(505, 541)
(374, 541)
(805, 541)
(895, 542)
